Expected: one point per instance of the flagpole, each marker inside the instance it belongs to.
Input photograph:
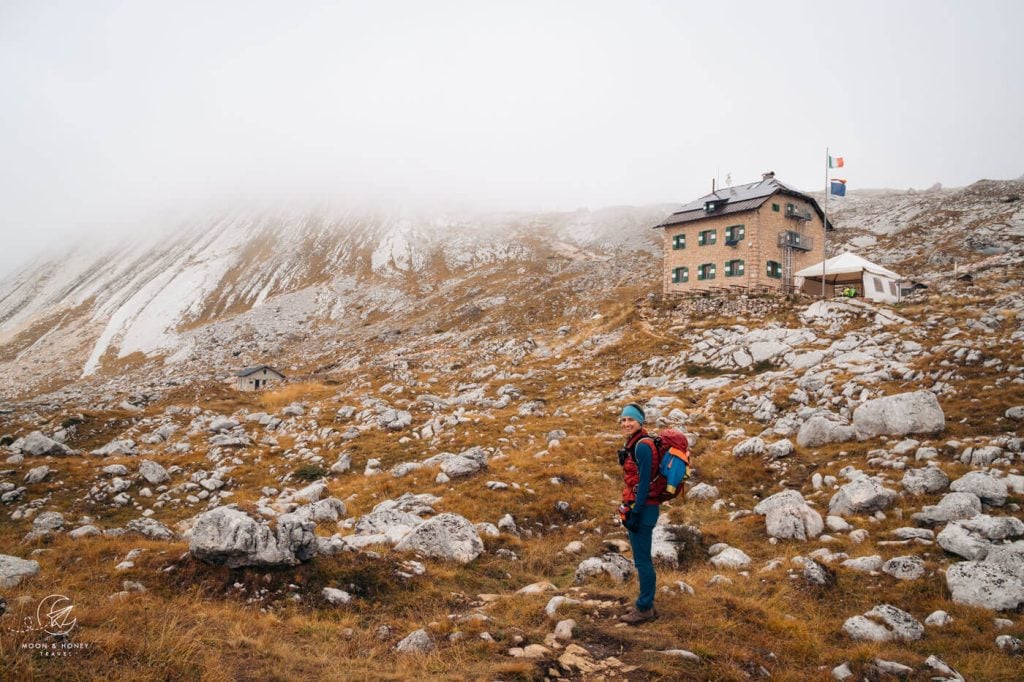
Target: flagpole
(824, 232)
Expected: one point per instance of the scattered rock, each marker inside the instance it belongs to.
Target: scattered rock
(905, 413)
(925, 481)
(904, 567)
(13, 570)
(861, 496)
(988, 488)
(984, 584)
(446, 536)
(615, 565)
(417, 642)
(884, 623)
(229, 536)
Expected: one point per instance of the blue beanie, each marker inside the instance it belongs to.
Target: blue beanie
(634, 412)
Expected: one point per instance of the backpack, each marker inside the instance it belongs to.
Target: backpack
(672, 450)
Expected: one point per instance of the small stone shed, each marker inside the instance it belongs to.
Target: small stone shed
(256, 378)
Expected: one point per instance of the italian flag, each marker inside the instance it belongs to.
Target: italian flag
(835, 162)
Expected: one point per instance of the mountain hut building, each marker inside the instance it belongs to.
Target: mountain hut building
(256, 378)
(753, 236)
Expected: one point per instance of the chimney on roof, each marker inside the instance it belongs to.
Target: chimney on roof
(770, 175)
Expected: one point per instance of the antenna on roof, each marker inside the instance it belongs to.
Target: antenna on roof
(712, 185)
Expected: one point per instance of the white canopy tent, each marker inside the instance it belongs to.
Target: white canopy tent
(850, 270)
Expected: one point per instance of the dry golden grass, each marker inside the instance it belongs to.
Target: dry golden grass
(193, 623)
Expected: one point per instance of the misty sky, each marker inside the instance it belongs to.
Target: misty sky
(115, 113)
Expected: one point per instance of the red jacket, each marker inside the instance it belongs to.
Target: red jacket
(632, 476)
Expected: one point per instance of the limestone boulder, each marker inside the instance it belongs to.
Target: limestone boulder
(616, 566)
(819, 430)
(229, 536)
(898, 415)
(861, 496)
(984, 584)
(925, 481)
(951, 507)
(447, 536)
(13, 570)
(988, 488)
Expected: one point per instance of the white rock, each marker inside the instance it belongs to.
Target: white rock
(861, 496)
(904, 567)
(893, 624)
(925, 481)
(417, 642)
(864, 564)
(446, 536)
(819, 430)
(952, 507)
(335, 596)
(37, 474)
(751, 446)
(731, 557)
(13, 570)
(229, 536)
(563, 631)
(972, 538)
(702, 491)
(989, 489)
(837, 524)
(615, 565)
(983, 584)
(901, 414)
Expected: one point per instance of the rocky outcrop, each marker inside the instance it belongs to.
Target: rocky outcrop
(229, 536)
(36, 444)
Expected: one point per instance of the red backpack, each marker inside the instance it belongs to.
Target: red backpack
(672, 464)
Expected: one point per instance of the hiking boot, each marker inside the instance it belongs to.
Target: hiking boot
(636, 616)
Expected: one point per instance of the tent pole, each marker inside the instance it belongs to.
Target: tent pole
(824, 232)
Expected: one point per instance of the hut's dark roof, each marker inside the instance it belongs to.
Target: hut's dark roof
(737, 200)
(252, 370)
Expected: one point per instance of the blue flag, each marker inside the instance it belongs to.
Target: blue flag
(839, 188)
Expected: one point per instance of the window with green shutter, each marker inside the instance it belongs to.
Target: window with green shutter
(706, 271)
(733, 268)
(680, 275)
(775, 207)
(734, 233)
(679, 241)
(774, 269)
(707, 237)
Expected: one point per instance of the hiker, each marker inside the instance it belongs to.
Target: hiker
(639, 510)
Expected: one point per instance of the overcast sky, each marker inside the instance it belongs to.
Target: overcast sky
(114, 113)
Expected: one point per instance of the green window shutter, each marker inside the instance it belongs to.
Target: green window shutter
(711, 274)
(686, 274)
(702, 238)
(739, 267)
(679, 241)
(775, 207)
(714, 236)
